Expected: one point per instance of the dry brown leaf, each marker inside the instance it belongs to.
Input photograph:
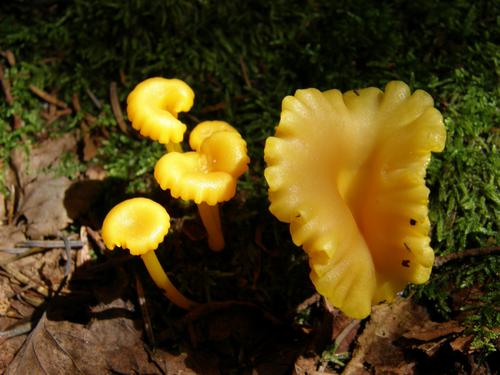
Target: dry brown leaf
(9, 236)
(30, 166)
(109, 344)
(41, 198)
(309, 366)
(432, 330)
(376, 346)
(461, 343)
(43, 206)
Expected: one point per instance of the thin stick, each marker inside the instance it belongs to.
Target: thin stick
(440, 261)
(115, 106)
(23, 279)
(6, 87)
(17, 330)
(9, 55)
(75, 100)
(244, 72)
(49, 244)
(47, 97)
(144, 310)
(94, 99)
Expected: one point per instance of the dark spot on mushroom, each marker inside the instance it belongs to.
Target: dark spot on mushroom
(413, 221)
(406, 246)
(297, 216)
(356, 92)
(405, 263)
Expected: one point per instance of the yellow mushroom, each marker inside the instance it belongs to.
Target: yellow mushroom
(207, 175)
(347, 171)
(140, 224)
(153, 107)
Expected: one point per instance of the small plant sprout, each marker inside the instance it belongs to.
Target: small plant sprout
(207, 175)
(347, 171)
(153, 107)
(140, 224)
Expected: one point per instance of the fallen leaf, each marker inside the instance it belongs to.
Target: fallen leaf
(308, 366)
(41, 192)
(433, 330)
(461, 343)
(9, 236)
(109, 344)
(30, 165)
(43, 206)
(376, 347)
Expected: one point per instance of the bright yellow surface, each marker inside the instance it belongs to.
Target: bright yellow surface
(208, 175)
(205, 129)
(153, 107)
(347, 171)
(163, 282)
(137, 224)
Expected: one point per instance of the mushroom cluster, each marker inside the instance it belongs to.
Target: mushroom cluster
(206, 175)
(347, 171)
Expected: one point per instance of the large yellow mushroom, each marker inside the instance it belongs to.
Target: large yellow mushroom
(347, 171)
(153, 107)
(140, 224)
(207, 175)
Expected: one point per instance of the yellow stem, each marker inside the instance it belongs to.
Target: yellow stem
(211, 220)
(173, 147)
(162, 281)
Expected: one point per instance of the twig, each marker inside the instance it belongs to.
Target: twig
(144, 310)
(17, 330)
(83, 255)
(27, 248)
(25, 279)
(342, 335)
(315, 298)
(9, 55)
(75, 100)
(58, 114)
(97, 239)
(50, 244)
(94, 99)
(47, 97)
(441, 260)
(67, 251)
(213, 108)
(115, 106)
(244, 72)
(6, 87)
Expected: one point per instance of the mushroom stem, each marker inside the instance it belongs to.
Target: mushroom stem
(163, 282)
(173, 147)
(211, 220)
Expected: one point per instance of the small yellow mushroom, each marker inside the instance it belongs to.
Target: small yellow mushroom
(140, 224)
(207, 175)
(347, 171)
(153, 107)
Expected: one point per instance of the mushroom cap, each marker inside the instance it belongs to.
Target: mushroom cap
(153, 107)
(347, 171)
(210, 173)
(138, 224)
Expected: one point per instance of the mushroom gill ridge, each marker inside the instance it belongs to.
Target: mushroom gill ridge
(347, 171)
